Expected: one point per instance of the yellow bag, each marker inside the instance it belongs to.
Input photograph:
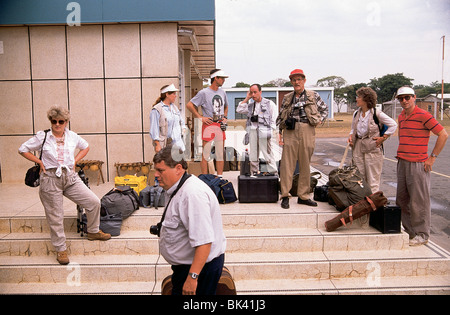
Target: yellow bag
(136, 182)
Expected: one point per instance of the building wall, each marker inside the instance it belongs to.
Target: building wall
(108, 76)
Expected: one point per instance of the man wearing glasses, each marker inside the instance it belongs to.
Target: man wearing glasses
(414, 165)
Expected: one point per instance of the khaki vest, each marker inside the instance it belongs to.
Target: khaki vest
(311, 109)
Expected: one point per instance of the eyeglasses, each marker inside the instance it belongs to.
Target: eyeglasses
(406, 98)
(61, 122)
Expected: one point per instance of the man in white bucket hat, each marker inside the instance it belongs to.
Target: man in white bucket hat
(414, 165)
(214, 103)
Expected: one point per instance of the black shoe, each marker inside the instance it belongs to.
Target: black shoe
(308, 202)
(285, 203)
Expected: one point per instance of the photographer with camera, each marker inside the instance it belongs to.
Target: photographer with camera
(261, 114)
(214, 103)
(301, 111)
(191, 233)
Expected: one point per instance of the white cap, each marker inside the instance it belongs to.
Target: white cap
(219, 73)
(170, 88)
(405, 90)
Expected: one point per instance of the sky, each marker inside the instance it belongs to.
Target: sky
(261, 40)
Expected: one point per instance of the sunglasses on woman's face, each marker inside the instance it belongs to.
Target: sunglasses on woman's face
(61, 122)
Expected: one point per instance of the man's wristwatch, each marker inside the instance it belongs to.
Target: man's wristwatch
(433, 155)
(193, 275)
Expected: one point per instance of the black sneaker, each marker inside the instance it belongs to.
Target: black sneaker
(307, 202)
(285, 203)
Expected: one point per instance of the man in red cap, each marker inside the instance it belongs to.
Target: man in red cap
(301, 111)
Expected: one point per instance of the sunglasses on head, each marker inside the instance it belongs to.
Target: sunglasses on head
(406, 98)
(61, 122)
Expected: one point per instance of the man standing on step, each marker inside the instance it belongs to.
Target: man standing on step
(191, 232)
(301, 112)
(261, 114)
(414, 165)
(214, 103)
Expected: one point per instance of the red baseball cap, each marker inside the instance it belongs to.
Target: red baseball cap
(297, 72)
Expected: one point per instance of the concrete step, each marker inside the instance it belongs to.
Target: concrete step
(238, 241)
(287, 273)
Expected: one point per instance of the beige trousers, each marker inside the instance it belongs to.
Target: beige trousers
(370, 165)
(51, 192)
(298, 146)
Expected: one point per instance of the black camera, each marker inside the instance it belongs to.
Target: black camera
(254, 118)
(223, 126)
(155, 229)
(290, 123)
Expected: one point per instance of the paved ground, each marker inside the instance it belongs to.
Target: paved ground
(329, 152)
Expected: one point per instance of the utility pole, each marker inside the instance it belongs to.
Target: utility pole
(442, 89)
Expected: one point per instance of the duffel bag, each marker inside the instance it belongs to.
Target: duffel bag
(123, 200)
(347, 185)
(109, 223)
(222, 188)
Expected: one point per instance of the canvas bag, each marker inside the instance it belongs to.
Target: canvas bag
(123, 200)
(347, 185)
(152, 196)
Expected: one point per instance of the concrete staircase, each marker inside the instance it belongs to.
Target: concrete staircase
(269, 251)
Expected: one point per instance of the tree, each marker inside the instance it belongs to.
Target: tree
(387, 86)
(276, 83)
(339, 92)
(242, 85)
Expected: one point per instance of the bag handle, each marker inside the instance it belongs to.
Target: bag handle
(345, 156)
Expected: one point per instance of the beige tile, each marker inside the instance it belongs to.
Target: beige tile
(85, 51)
(45, 95)
(157, 40)
(122, 57)
(15, 60)
(125, 148)
(123, 105)
(48, 52)
(16, 109)
(14, 166)
(87, 106)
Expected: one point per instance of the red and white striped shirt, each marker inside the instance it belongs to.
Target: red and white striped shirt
(414, 134)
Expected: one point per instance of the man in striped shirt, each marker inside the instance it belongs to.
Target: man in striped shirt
(414, 165)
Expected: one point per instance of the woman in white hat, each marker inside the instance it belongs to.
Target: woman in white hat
(166, 122)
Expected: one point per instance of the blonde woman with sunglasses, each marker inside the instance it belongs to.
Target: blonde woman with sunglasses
(58, 178)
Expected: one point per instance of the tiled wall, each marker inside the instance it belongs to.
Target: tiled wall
(107, 75)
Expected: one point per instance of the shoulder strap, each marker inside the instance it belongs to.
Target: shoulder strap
(183, 179)
(45, 138)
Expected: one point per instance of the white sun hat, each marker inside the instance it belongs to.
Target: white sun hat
(170, 88)
(219, 73)
(405, 90)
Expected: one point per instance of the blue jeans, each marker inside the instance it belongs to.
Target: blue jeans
(207, 280)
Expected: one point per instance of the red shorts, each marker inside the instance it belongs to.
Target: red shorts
(213, 132)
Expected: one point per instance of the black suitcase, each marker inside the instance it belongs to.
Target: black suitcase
(257, 189)
(386, 219)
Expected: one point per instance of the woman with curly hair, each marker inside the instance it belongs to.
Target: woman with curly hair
(58, 178)
(365, 137)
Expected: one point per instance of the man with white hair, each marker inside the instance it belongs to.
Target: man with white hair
(214, 103)
(414, 165)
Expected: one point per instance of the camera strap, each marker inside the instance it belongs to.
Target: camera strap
(183, 179)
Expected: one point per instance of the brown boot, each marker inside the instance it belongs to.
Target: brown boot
(63, 258)
(100, 236)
